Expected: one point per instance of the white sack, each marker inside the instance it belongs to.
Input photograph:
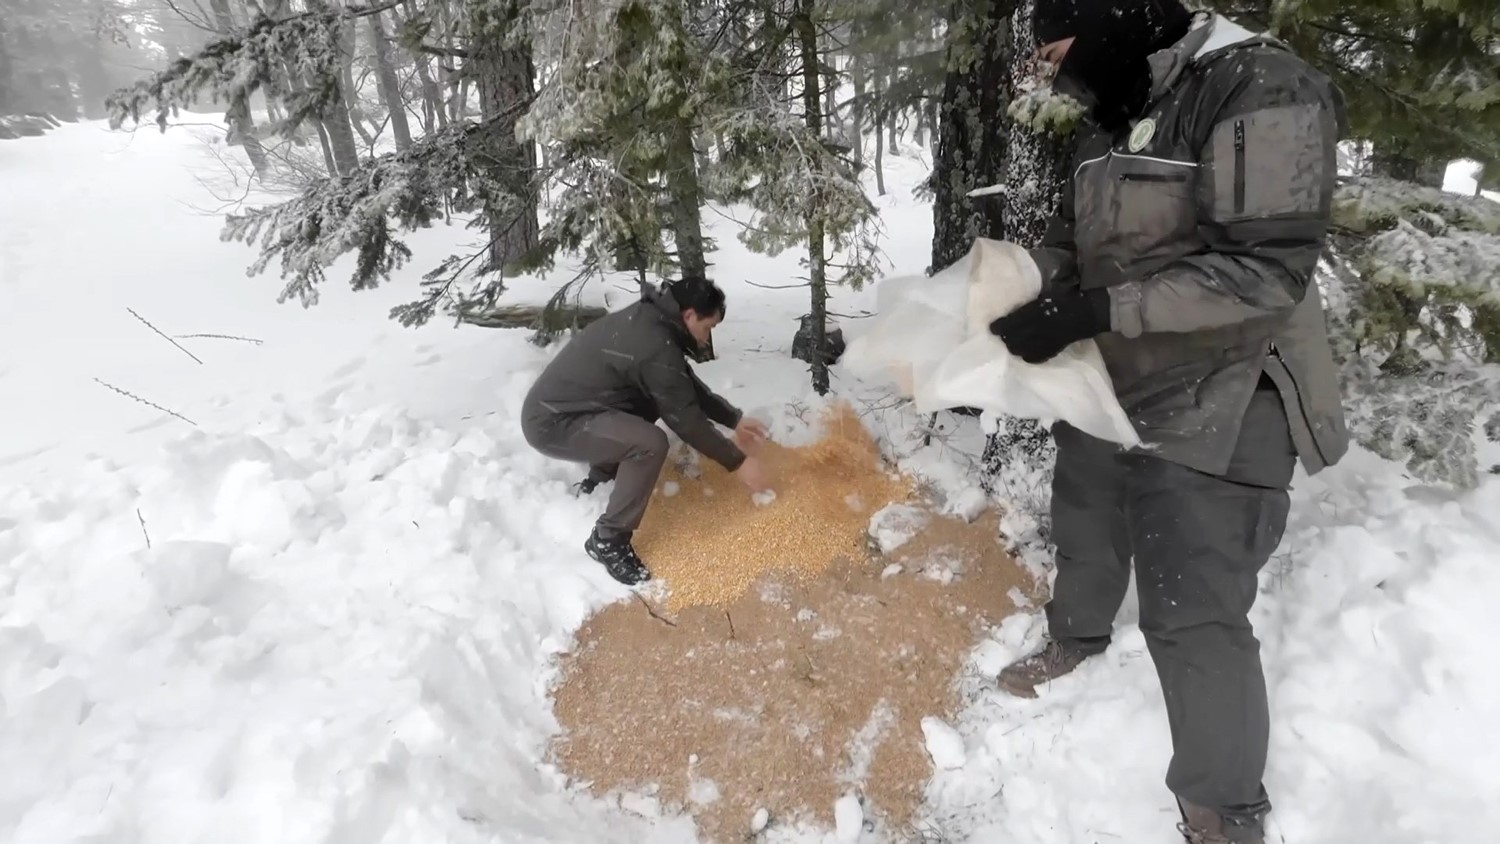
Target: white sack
(931, 336)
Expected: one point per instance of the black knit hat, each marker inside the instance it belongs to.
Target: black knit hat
(1058, 19)
(1111, 42)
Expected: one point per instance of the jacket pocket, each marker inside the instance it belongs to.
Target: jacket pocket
(1272, 162)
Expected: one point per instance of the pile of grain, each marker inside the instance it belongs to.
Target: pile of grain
(789, 697)
(709, 542)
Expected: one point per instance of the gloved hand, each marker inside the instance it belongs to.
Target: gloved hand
(1038, 330)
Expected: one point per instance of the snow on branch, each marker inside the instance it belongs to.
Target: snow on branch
(354, 213)
(295, 60)
(1416, 260)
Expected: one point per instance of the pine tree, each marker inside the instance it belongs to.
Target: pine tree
(633, 85)
(473, 167)
(778, 159)
(1421, 77)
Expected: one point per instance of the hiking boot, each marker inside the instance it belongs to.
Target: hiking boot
(618, 558)
(1206, 826)
(1058, 658)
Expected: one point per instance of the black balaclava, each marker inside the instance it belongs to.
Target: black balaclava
(1111, 42)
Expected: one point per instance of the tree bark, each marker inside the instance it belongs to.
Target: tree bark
(817, 259)
(1036, 168)
(971, 145)
(389, 85)
(686, 200)
(506, 86)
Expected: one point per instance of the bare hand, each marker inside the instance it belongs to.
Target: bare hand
(750, 435)
(752, 473)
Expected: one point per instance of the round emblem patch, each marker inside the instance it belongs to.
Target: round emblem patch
(1142, 134)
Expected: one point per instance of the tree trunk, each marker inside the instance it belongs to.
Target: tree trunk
(817, 260)
(971, 135)
(353, 111)
(241, 124)
(1036, 169)
(7, 74)
(683, 192)
(389, 85)
(433, 113)
(505, 78)
(857, 110)
(880, 140)
(93, 79)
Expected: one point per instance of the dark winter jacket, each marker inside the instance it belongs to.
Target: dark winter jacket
(635, 360)
(1205, 221)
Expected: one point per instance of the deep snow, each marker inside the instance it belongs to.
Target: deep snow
(325, 612)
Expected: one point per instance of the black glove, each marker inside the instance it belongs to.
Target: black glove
(1038, 330)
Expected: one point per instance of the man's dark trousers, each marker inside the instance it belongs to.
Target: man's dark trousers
(614, 444)
(1198, 542)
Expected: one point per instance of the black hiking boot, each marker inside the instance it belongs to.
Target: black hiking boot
(585, 487)
(1057, 659)
(618, 558)
(1205, 826)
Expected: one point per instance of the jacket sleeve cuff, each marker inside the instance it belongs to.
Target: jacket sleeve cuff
(1125, 309)
(733, 458)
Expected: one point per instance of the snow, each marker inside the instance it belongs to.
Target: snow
(326, 610)
(944, 744)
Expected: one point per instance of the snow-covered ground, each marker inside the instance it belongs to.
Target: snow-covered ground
(324, 609)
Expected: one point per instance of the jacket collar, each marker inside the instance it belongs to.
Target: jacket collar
(1211, 34)
(659, 302)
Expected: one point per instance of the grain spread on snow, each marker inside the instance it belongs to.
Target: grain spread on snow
(709, 542)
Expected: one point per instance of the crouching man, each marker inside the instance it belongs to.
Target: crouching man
(1186, 244)
(597, 402)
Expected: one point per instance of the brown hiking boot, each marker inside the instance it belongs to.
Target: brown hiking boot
(1058, 658)
(1205, 826)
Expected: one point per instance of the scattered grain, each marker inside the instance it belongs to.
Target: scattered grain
(710, 547)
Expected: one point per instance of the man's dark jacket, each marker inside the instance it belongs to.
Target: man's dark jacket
(1205, 223)
(635, 361)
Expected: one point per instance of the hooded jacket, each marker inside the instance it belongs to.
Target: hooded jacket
(635, 361)
(1205, 220)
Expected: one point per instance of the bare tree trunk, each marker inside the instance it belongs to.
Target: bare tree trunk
(817, 259)
(879, 139)
(241, 124)
(390, 86)
(355, 114)
(433, 113)
(857, 109)
(7, 75)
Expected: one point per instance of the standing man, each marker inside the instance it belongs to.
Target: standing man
(597, 402)
(1186, 245)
